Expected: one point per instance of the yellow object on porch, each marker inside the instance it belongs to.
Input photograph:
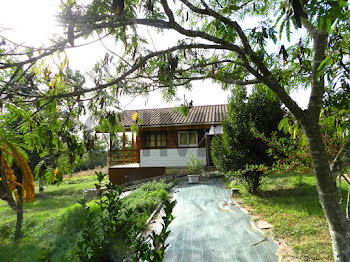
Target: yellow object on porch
(134, 116)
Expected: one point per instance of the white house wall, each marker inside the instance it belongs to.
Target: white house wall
(170, 157)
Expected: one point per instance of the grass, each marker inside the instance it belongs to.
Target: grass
(145, 200)
(52, 224)
(295, 213)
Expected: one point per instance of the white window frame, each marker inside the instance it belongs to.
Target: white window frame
(187, 135)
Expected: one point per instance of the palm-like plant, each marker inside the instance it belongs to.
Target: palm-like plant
(16, 178)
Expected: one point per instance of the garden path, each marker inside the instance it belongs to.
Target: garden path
(209, 227)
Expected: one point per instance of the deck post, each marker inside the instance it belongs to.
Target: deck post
(138, 146)
(124, 148)
(132, 147)
(110, 150)
(207, 145)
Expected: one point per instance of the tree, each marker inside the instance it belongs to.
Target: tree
(15, 183)
(48, 127)
(30, 129)
(238, 147)
(215, 44)
(95, 157)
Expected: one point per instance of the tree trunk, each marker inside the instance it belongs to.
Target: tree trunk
(339, 225)
(41, 184)
(18, 231)
(348, 204)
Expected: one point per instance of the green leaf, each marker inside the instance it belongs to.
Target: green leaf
(343, 3)
(321, 68)
(283, 124)
(288, 30)
(328, 25)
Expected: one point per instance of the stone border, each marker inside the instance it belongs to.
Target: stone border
(284, 253)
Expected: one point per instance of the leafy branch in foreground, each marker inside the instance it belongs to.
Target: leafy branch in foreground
(111, 232)
(104, 231)
(153, 249)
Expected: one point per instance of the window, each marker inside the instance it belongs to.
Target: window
(155, 140)
(188, 138)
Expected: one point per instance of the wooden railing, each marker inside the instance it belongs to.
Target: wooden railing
(118, 157)
(125, 156)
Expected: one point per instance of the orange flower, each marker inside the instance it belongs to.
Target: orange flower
(55, 173)
(28, 188)
(10, 177)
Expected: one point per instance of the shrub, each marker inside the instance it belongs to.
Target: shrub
(91, 160)
(143, 250)
(104, 235)
(250, 176)
(238, 148)
(291, 153)
(111, 225)
(143, 201)
(96, 156)
(195, 165)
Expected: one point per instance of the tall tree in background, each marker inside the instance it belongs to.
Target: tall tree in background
(238, 147)
(218, 43)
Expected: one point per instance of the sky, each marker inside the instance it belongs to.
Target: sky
(33, 22)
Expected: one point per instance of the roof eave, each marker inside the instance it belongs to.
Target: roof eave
(183, 124)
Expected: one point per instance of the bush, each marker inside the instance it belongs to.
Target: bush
(96, 157)
(143, 201)
(92, 160)
(112, 224)
(292, 154)
(195, 165)
(238, 147)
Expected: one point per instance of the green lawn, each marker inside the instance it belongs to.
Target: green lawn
(52, 221)
(295, 213)
(52, 224)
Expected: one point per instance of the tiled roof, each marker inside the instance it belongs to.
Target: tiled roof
(210, 114)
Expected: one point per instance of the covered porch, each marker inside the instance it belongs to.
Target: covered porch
(124, 165)
(127, 153)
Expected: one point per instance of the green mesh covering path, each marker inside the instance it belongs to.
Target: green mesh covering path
(207, 227)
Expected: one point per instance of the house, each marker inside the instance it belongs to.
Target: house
(165, 141)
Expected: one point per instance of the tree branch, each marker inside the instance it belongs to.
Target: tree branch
(192, 33)
(141, 61)
(317, 80)
(343, 158)
(212, 63)
(224, 80)
(266, 76)
(239, 82)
